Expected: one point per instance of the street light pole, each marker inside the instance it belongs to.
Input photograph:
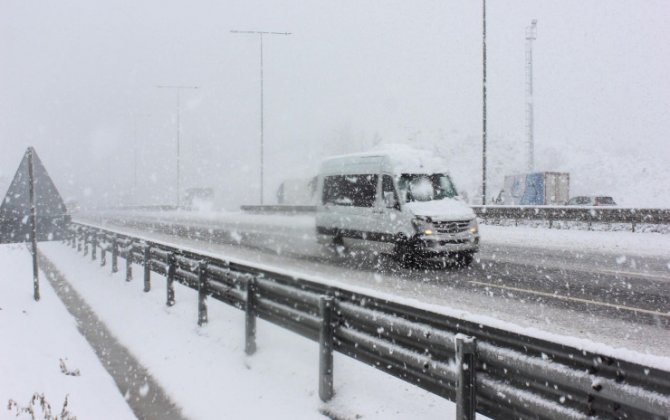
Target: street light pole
(178, 89)
(531, 35)
(484, 103)
(260, 35)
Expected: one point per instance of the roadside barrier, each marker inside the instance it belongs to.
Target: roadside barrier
(551, 214)
(498, 373)
(588, 215)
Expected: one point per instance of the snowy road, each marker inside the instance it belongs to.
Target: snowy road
(618, 296)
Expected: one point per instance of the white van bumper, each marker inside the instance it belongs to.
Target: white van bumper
(441, 245)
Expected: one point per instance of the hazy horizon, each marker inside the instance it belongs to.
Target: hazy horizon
(77, 77)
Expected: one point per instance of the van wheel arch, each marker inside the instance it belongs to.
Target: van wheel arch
(403, 252)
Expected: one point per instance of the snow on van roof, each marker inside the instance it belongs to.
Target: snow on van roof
(403, 158)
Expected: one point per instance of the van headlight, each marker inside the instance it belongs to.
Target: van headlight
(423, 226)
(473, 228)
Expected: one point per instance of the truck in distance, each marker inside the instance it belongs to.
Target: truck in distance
(536, 189)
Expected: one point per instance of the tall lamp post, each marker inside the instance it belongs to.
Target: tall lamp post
(531, 35)
(483, 102)
(260, 36)
(178, 89)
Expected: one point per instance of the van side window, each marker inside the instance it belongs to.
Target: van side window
(350, 190)
(389, 195)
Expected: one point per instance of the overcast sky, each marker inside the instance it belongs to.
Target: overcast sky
(77, 76)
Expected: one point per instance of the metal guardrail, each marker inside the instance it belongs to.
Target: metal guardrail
(148, 207)
(589, 215)
(495, 372)
(280, 208)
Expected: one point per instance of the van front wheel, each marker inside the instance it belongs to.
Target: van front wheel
(404, 253)
(464, 259)
(338, 245)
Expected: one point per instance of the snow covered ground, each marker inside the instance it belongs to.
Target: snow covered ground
(203, 369)
(43, 353)
(650, 244)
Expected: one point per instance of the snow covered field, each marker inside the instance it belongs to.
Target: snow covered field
(203, 369)
(42, 352)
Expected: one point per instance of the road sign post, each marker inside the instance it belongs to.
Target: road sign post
(33, 225)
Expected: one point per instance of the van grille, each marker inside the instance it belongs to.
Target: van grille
(452, 227)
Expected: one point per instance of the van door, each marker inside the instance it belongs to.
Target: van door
(388, 214)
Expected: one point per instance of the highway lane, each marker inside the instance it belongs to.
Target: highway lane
(616, 297)
(620, 264)
(535, 290)
(624, 286)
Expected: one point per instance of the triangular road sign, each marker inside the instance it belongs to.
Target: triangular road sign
(51, 213)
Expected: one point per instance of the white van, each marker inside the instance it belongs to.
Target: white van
(401, 200)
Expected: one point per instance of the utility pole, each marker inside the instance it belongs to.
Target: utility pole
(178, 89)
(260, 36)
(531, 35)
(484, 103)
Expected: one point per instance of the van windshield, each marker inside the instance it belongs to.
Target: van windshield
(425, 187)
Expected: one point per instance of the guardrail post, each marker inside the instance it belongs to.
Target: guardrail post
(103, 256)
(79, 244)
(147, 268)
(86, 241)
(115, 254)
(94, 245)
(326, 334)
(250, 318)
(466, 387)
(73, 241)
(172, 269)
(202, 293)
(129, 262)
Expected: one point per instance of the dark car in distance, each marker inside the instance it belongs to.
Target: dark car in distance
(591, 200)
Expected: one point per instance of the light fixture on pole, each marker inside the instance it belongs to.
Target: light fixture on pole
(178, 89)
(260, 36)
